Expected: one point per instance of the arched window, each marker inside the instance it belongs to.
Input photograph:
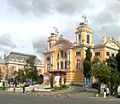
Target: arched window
(88, 39)
(78, 64)
(50, 46)
(58, 56)
(79, 38)
(57, 65)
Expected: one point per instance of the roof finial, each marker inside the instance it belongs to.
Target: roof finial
(56, 30)
(85, 20)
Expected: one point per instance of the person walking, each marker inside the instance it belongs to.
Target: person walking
(14, 89)
(105, 91)
(23, 89)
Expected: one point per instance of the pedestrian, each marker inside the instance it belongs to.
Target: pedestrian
(23, 89)
(105, 91)
(118, 91)
(14, 89)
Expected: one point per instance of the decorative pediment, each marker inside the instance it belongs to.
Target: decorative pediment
(112, 44)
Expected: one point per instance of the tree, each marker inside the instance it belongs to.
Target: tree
(118, 60)
(102, 72)
(87, 63)
(112, 63)
(30, 69)
(115, 75)
(0, 76)
(88, 54)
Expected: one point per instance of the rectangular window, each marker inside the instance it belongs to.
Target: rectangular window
(39, 70)
(61, 54)
(48, 58)
(65, 55)
(3, 67)
(13, 68)
(97, 54)
(61, 65)
(78, 53)
(65, 64)
(88, 39)
(107, 53)
(113, 55)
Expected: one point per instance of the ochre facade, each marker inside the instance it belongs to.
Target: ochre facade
(65, 59)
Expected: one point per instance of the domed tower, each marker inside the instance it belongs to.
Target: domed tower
(84, 33)
(53, 39)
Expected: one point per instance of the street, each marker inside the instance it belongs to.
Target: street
(14, 98)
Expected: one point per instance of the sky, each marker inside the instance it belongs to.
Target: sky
(25, 25)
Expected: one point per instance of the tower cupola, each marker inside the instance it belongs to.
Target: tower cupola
(84, 33)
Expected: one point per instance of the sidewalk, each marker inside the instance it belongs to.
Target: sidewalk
(31, 88)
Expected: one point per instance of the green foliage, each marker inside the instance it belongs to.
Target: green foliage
(88, 54)
(115, 75)
(102, 72)
(39, 80)
(112, 62)
(87, 63)
(62, 87)
(26, 85)
(0, 76)
(95, 85)
(87, 68)
(30, 71)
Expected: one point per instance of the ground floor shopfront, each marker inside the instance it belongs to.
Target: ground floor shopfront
(63, 77)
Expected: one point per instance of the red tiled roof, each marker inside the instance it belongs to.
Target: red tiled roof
(68, 43)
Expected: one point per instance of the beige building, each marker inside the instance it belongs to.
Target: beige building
(65, 59)
(16, 61)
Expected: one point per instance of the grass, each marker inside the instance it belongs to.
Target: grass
(1, 88)
(39, 91)
(62, 87)
(48, 88)
(99, 94)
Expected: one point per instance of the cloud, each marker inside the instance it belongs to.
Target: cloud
(3, 49)
(106, 22)
(42, 7)
(6, 40)
(39, 46)
(103, 15)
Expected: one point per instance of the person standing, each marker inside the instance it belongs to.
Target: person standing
(105, 91)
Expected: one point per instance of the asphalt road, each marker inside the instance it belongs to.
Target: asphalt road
(27, 99)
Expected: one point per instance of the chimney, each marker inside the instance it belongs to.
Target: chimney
(4, 56)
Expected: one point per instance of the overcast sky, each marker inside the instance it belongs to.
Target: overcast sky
(25, 25)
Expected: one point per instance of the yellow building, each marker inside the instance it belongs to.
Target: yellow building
(65, 59)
